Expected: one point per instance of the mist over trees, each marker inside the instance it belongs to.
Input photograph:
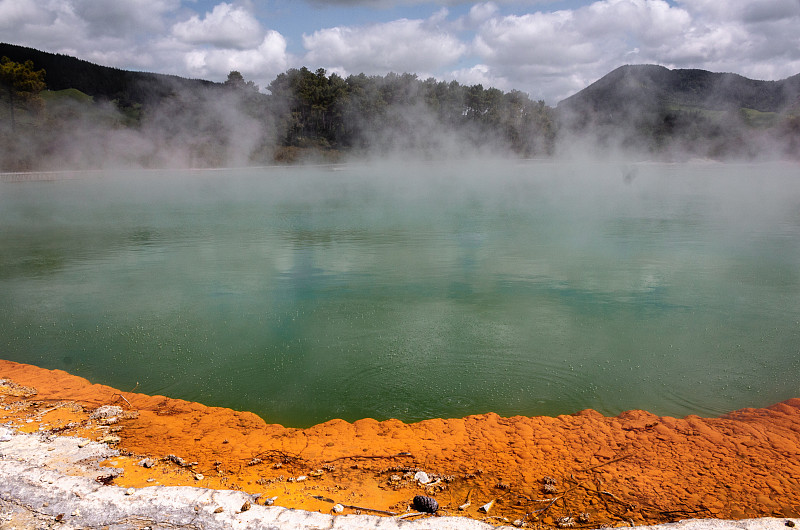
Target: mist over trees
(306, 115)
(686, 113)
(91, 116)
(399, 112)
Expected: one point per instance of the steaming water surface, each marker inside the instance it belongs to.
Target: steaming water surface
(304, 294)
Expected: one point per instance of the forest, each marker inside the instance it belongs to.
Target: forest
(59, 112)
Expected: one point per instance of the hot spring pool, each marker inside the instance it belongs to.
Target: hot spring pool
(414, 291)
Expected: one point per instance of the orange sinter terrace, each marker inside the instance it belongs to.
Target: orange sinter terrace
(579, 470)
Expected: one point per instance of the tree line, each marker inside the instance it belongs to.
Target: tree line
(154, 120)
(304, 111)
(400, 110)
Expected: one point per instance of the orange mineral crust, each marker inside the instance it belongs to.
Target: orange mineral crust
(582, 470)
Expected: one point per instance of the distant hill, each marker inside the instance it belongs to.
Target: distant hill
(157, 120)
(641, 89)
(101, 82)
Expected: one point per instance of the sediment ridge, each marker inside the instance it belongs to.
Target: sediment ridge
(581, 470)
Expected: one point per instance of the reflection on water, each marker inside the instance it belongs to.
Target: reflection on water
(414, 292)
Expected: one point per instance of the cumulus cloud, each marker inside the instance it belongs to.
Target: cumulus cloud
(122, 34)
(530, 45)
(756, 38)
(16, 13)
(403, 45)
(746, 11)
(226, 26)
(36, 24)
(561, 52)
(124, 18)
(482, 12)
(261, 64)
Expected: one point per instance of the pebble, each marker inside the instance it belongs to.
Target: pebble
(198, 476)
(176, 459)
(147, 462)
(337, 508)
(422, 477)
(130, 491)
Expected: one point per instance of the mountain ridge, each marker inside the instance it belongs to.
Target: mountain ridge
(649, 87)
(103, 82)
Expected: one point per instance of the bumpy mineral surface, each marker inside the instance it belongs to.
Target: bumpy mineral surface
(582, 470)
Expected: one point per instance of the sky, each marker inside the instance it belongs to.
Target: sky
(549, 49)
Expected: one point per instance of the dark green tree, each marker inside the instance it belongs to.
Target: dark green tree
(236, 80)
(22, 84)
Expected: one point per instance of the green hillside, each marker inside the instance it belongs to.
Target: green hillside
(92, 116)
(650, 88)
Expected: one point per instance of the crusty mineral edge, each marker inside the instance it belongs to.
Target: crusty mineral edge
(582, 470)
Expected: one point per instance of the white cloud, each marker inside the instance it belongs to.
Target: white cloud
(414, 46)
(557, 53)
(547, 53)
(646, 21)
(536, 38)
(756, 38)
(478, 75)
(226, 26)
(746, 11)
(120, 18)
(260, 64)
(482, 12)
(16, 13)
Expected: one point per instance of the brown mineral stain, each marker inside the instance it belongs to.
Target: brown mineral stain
(583, 470)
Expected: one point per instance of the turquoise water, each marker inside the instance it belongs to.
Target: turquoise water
(413, 291)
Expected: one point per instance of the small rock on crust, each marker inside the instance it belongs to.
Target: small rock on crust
(176, 460)
(425, 504)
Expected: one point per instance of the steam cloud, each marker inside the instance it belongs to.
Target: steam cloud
(220, 126)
